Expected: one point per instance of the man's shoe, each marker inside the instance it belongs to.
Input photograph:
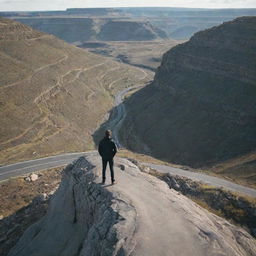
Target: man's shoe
(113, 182)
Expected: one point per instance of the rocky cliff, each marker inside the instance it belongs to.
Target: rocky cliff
(130, 31)
(68, 29)
(200, 108)
(139, 215)
(73, 30)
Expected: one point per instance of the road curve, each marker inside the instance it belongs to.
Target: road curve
(119, 113)
(211, 180)
(22, 168)
(118, 116)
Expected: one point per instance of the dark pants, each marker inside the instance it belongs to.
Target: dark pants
(104, 166)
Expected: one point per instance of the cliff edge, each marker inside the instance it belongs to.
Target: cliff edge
(139, 215)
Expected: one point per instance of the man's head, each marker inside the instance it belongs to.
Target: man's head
(108, 133)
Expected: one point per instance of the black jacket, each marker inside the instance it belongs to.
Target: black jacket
(107, 148)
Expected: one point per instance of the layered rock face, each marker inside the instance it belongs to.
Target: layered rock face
(74, 30)
(200, 108)
(70, 30)
(130, 30)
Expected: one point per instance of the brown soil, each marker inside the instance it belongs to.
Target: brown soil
(20, 204)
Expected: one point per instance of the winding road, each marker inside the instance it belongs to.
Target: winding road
(118, 117)
(119, 113)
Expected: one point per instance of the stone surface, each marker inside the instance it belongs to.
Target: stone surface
(140, 215)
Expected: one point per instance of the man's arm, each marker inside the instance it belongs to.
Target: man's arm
(100, 149)
(114, 148)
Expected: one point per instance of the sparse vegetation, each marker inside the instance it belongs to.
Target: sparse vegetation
(60, 97)
(24, 203)
(17, 193)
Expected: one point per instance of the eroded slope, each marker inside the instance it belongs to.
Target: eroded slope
(200, 108)
(53, 95)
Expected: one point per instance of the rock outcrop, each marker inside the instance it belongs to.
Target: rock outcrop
(139, 215)
(73, 30)
(200, 108)
(68, 29)
(129, 31)
(83, 219)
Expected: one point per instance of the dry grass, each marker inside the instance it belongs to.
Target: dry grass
(58, 97)
(241, 170)
(17, 193)
(139, 157)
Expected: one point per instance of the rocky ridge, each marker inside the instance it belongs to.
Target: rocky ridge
(85, 218)
(129, 31)
(16, 31)
(75, 29)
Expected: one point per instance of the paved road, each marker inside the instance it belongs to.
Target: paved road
(211, 180)
(21, 168)
(60, 160)
(119, 113)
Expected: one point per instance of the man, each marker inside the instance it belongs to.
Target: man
(107, 151)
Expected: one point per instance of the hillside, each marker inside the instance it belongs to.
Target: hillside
(200, 108)
(53, 96)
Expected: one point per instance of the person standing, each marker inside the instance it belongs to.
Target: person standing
(107, 150)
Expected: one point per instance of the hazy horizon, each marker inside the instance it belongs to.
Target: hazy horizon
(47, 5)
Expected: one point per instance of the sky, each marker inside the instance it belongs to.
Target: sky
(36, 5)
